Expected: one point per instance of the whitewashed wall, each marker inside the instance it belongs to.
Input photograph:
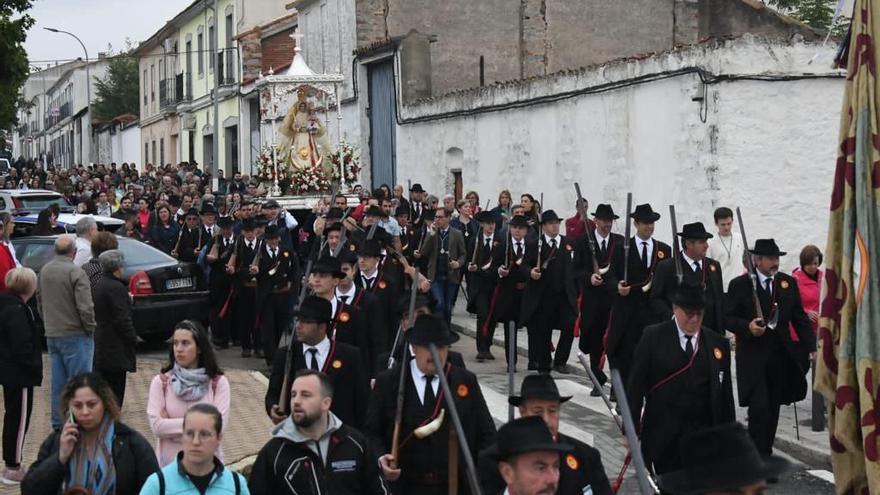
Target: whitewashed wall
(768, 147)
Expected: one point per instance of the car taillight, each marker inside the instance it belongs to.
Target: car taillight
(139, 284)
(16, 202)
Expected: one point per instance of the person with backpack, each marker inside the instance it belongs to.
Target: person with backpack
(191, 376)
(196, 469)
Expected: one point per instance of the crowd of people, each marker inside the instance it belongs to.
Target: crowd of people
(362, 387)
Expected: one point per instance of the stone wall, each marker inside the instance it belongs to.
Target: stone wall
(761, 143)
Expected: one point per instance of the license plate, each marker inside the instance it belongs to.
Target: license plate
(179, 283)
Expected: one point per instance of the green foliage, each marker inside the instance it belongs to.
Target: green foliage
(13, 58)
(117, 93)
(815, 13)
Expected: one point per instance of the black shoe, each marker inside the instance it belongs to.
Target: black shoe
(221, 345)
(613, 397)
(259, 354)
(245, 353)
(489, 357)
(595, 393)
(533, 366)
(561, 368)
(480, 357)
(772, 480)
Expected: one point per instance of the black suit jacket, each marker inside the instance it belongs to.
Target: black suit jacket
(536, 288)
(350, 327)
(511, 287)
(595, 296)
(351, 384)
(664, 286)
(753, 353)
(284, 275)
(658, 356)
(482, 282)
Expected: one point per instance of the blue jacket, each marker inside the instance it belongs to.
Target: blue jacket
(176, 482)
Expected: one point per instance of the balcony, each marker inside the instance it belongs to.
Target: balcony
(167, 95)
(186, 82)
(227, 63)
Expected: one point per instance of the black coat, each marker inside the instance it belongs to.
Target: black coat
(220, 282)
(283, 276)
(351, 385)
(115, 336)
(511, 287)
(381, 306)
(754, 353)
(578, 470)
(133, 458)
(351, 327)
(191, 241)
(481, 283)
(658, 356)
(664, 286)
(21, 344)
(562, 259)
(428, 455)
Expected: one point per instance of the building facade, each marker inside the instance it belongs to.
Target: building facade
(160, 90)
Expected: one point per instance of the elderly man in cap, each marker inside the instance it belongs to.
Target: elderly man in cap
(580, 468)
(446, 255)
(631, 307)
(681, 373)
(773, 353)
(528, 458)
(423, 465)
(698, 271)
(550, 299)
(736, 469)
(597, 283)
(314, 349)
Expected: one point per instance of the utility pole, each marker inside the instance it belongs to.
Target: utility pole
(88, 130)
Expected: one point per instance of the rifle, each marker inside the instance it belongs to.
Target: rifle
(511, 365)
(343, 234)
(676, 247)
(591, 237)
(413, 292)
(177, 244)
(753, 275)
(646, 483)
(629, 202)
(473, 482)
(401, 386)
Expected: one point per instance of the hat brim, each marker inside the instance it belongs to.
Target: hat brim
(334, 273)
(450, 338)
(517, 400)
(764, 253)
(525, 448)
(652, 218)
(604, 217)
(704, 236)
(310, 317)
(685, 483)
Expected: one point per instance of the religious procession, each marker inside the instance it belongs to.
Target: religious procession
(381, 249)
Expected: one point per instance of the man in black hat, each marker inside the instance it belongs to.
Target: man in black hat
(208, 215)
(417, 207)
(736, 468)
(681, 373)
(424, 305)
(314, 349)
(244, 272)
(191, 238)
(770, 363)
(446, 255)
(527, 458)
(402, 214)
(372, 278)
(482, 283)
(423, 464)
(631, 309)
(580, 469)
(698, 271)
(276, 278)
(513, 276)
(597, 283)
(334, 238)
(322, 222)
(550, 299)
(219, 250)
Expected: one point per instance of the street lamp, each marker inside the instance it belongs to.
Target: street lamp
(88, 87)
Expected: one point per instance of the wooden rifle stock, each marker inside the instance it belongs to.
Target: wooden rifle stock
(628, 231)
(750, 266)
(591, 236)
(676, 246)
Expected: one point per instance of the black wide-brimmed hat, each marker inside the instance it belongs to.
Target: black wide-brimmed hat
(401, 210)
(261, 220)
(314, 308)
(333, 227)
(549, 216)
(708, 468)
(541, 387)
(766, 247)
(694, 230)
(347, 257)
(605, 212)
(192, 212)
(430, 329)
(272, 232)
(524, 435)
(645, 214)
(334, 213)
(518, 221)
(417, 188)
(374, 211)
(328, 265)
(224, 222)
(208, 208)
(689, 297)
(422, 301)
(371, 248)
(248, 224)
(430, 214)
(485, 217)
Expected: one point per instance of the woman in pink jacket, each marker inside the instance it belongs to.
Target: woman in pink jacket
(191, 377)
(809, 279)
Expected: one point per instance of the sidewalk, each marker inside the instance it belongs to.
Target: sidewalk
(246, 433)
(812, 448)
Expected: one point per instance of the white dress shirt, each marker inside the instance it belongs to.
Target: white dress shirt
(649, 244)
(83, 251)
(682, 338)
(762, 279)
(548, 240)
(691, 262)
(349, 294)
(323, 348)
(371, 277)
(419, 381)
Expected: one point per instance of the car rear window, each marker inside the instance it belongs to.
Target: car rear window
(37, 203)
(138, 253)
(34, 255)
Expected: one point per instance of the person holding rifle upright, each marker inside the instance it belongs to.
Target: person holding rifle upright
(276, 276)
(770, 367)
(220, 249)
(482, 283)
(243, 270)
(508, 261)
(190, 239)
(631, 310)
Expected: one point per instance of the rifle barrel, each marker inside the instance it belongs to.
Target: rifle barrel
(676, 246)
(646, 484)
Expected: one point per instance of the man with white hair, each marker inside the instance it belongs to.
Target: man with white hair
(86, 228)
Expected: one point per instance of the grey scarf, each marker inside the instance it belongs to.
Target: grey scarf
(189, 384)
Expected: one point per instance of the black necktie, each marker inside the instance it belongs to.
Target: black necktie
(272, 254)
(553, 243)
(519, 250)
(689, 346)
(768, 286)
(429, 391)
(368, 283)
(314, 361)
(488, 247)
(696, 266)
(645, 254)
(344, 299)
(604, 248)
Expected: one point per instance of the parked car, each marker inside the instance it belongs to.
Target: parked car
(21, 201)
(163, 290)
(4, 166)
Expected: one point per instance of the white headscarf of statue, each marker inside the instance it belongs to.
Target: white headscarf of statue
(304, 140)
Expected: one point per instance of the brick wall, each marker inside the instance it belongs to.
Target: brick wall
(277, 50)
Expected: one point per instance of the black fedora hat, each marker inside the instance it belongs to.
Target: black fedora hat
(374, 211)
(549, 216)
(329, 265)
(347, 257)
(422, 301)
(401, 210)
(485, 217)
(314, 308)
(261, 220)
(645, 214)
(248, 224)
(208, 208)
(708, 468)
(518, 221)
(541, 386)
(272, 232)
(694, 230)
(605, 212)
(224, 222)
(524, 435)
(334, 227)
(689, 297)
(430, 214)
(430, 329)
(766, 247)
(192, 212)
(334, 213)
(417, 188)
(370, 249)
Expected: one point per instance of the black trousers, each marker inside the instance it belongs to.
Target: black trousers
(553, 312)
(764, 415)
(116, 380)
(18, 403)
(274, 318)
(246, 319)
(221, 327)
(595, 314)
(482, 305)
